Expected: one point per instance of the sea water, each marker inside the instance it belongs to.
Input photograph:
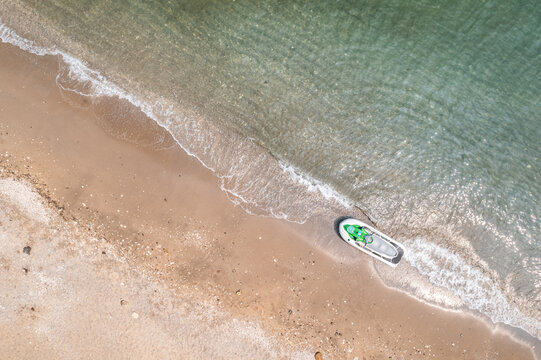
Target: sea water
(424, 115)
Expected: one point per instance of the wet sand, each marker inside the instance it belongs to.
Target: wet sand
(142, 255)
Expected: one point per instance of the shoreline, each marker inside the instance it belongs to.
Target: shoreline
(123, 220)
(289, 195)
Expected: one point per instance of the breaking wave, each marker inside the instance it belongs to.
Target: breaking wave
(479, 290)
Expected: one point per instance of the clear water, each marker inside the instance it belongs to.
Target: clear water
(425, 115)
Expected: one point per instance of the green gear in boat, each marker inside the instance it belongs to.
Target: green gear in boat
(358, 233)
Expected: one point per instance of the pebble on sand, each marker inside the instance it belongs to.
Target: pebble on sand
(27, 249)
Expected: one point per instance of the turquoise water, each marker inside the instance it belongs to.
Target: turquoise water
(425, 115)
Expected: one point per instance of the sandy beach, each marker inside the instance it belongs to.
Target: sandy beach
(114, 243)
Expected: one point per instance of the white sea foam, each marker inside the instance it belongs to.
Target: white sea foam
(314, 185)
(11, 37)
(477, 290)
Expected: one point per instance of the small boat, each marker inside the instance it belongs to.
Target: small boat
(373, 242)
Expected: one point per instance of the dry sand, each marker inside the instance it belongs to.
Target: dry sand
(135, 252)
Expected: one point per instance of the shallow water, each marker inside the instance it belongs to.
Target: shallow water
(425, 115)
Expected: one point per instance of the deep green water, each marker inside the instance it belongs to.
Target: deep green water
(424, 114)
